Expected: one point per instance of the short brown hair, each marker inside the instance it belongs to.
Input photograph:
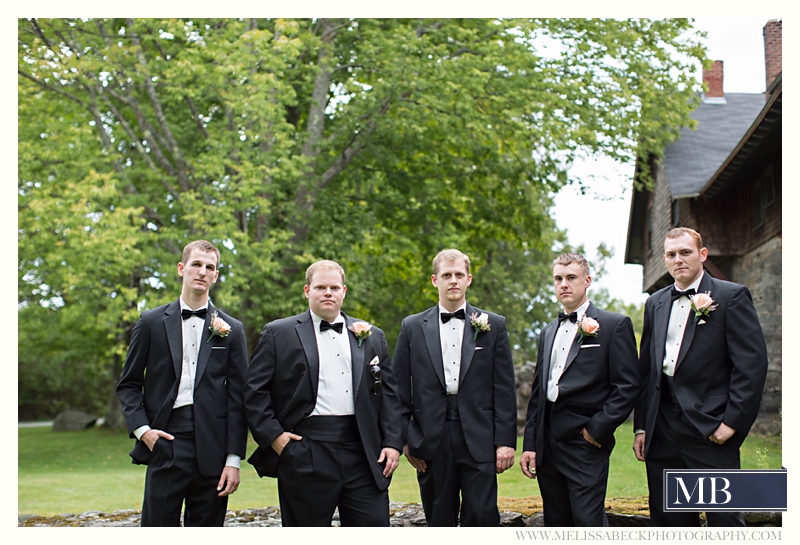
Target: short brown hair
(449, 255)
(324, 265)
(569, 258)
(678, 232)
(202, 245)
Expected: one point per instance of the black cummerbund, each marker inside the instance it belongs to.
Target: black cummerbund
(452, 407)
(333, 429)
(181, 420)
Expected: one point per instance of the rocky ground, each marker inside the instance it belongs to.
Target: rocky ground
(402, 514)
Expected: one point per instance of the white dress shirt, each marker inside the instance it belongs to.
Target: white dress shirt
(450, 336)
(335, 389)
(192, 334)
(678, 319)
(565, 335)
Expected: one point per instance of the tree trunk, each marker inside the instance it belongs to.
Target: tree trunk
(114, 418)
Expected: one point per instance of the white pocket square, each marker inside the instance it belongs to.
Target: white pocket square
(589, 346)
(218, 347)
(701, 322)
(479, 348)
(375, 361)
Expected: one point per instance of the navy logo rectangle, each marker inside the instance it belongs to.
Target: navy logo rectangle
(725, 490)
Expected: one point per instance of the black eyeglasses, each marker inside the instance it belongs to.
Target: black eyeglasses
(376, 374)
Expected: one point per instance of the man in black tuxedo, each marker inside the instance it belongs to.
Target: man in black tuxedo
(182, 396)
(704, 363)
(585, 386)
(322, 405)
(455, 376)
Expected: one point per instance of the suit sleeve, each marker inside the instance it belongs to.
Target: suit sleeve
(259, 409)
(623, 375)
(645, 368)
(131, 382)
(529, 438)
(236, 441)
(505, 391)
(391, 427)
(748, 353)
(401, 370)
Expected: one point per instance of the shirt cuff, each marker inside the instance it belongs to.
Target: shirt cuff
(637, 432)
(233, 460)
(138, 432)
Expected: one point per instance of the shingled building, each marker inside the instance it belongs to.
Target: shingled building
(723, 179)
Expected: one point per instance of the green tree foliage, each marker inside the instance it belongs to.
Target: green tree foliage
(373, 142)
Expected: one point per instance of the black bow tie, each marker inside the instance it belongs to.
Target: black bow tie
(678, 294)
(323, 325)
(572, 317)
(457, 314)
(200, 313)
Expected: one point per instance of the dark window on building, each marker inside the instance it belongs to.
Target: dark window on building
(763, 196)
(674, 213)
(768, 186)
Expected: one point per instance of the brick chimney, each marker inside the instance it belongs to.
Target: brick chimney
(713, 79)
(773, 44)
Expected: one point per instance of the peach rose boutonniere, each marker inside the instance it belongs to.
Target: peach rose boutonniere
(702, 305)
(480, 323)
(587, 327)
(218, 327)
(362, 330)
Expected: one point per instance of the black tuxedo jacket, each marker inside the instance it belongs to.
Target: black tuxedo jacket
(598, 387)
(721, 367)
(149, 384)
(487, 400)
(282, 383)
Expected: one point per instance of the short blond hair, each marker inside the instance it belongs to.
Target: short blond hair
(449, 255)
(569, 258)
(202, 245)
(324, 265)
(678, 232)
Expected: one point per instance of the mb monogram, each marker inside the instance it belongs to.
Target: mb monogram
(725, 490)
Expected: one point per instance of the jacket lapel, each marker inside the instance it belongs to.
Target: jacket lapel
(174, 327)
(205, 346)
(691, 326)
(430, 329)
(468, 342)
(308, 339)
(575, 347)
(549, 335)
(356, 357)
(661, 312)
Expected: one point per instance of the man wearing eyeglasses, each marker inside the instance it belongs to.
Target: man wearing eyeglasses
(322, 405)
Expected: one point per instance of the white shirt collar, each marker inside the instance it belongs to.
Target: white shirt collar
(442, 310)
(581, 310)
(185, 306)
(317, 319)
(695, 284)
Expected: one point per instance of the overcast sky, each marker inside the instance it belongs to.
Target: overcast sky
(602, 216)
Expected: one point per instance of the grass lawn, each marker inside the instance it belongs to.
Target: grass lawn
(73, 472)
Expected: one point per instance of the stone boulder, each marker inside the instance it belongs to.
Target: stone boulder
(71, 420)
